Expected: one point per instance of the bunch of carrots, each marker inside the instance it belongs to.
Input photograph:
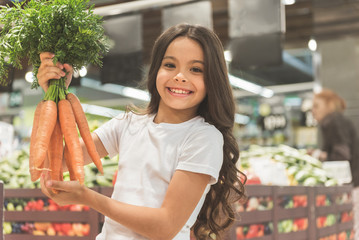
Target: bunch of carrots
(55, 137)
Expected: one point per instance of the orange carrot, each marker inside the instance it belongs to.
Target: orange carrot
(35, 174)
(46, 125)
(55, 152)
(84, 129)
(72, 141)
(70, 167)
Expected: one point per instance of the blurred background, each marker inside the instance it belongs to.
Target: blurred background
(278, 54)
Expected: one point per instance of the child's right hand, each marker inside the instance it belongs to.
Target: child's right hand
(48, 70)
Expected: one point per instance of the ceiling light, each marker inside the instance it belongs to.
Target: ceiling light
(250, 87)
(317, 87)
(83, 72)
(116, 89)
(288, 2)
(29, 77)
(101, 111)
(312, 45)
(228, 56)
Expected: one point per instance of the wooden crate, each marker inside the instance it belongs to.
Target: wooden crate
(280, 213)
(311, 212)
(90, 217)
(274, 215)
(334, 208)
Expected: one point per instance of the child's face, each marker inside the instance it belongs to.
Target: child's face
(180, 79)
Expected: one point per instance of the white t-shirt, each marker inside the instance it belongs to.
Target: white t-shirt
(149, 154)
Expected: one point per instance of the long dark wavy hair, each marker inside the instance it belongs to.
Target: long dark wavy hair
(218, 109)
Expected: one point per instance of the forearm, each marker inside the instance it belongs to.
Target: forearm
(153, 223)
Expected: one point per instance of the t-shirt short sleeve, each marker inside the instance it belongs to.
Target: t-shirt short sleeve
(203, 153)
(110, 133)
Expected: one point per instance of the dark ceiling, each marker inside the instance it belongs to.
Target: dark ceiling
(306, 19)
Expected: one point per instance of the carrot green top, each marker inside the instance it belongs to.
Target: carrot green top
(67, 28)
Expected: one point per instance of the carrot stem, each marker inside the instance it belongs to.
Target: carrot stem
(56, 91)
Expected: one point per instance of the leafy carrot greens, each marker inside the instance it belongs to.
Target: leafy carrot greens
(67, 28)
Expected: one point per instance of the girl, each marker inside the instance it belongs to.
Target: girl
(177, 159)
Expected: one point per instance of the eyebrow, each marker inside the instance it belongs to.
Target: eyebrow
(193, 61)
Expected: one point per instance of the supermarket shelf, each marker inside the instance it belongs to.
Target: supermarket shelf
(293, 236)
(345, 226)
(34, 237)
(90, 217)
(258, 190)
(274, 215)
(344, 189)
(107, 191)
(325, 210)
(345, 207)
(294, 213)
(290, 190)
(327, 231)
(311, 212)
(46, 216)
(250, 217)
(328, 190)
(24, 193)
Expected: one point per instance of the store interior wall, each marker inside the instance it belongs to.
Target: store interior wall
(339, 71)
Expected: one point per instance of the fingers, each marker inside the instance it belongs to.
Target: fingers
(69, 70)
(46, 55)
(48, 70)
(45, 190)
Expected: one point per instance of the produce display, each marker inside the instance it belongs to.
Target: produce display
(299, 212)
(326, 221)
(47, 228)
(292, 225)
(40, 204)
(254, 231)
(15, 171)
(344, 235)
(323, 200)
(254, 204)
(295, 165)
(294, 201)
(43, 228)
(75, 35)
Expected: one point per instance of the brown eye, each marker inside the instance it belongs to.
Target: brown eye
(196, 70)
(169, 65)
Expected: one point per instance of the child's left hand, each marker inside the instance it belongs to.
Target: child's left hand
(69, 192)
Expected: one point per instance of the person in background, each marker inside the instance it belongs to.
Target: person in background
(339, 138)
(177, 158)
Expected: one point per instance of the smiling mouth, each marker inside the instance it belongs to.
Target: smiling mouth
(179, 91)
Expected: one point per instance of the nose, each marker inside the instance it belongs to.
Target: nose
(180, 78)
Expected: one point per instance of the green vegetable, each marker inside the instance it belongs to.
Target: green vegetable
(331, 220)
(7, 229)
(67, 28)
(10, 207)
(310, 181)
(285, 226)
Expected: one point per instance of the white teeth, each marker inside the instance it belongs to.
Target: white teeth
(179, 91)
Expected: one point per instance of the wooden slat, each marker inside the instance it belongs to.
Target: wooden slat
(46, 216)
